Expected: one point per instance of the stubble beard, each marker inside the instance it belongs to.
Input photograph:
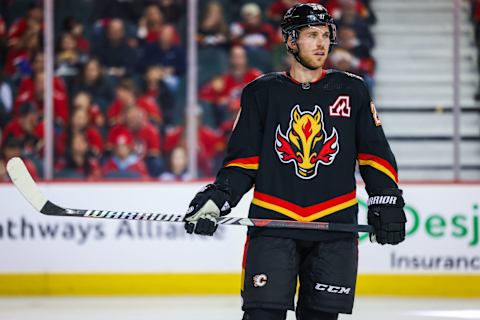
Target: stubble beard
(312, 63)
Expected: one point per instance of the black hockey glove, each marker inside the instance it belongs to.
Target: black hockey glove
(211, 202)
(386, 215)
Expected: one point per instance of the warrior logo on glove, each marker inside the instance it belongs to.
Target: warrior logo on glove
(386, 215)
(306, 143)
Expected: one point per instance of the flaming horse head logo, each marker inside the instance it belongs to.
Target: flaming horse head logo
(306, 143)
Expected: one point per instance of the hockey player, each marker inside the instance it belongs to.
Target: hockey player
(297, 139)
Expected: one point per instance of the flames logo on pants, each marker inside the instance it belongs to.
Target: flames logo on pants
(306, 143)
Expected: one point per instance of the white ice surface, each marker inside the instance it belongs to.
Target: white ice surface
(219, 308)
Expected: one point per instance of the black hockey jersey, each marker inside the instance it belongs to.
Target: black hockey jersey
(298, 145)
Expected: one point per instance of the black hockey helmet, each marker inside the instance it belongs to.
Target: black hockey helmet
(309, 14)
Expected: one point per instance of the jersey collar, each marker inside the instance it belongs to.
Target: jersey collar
(287, 74)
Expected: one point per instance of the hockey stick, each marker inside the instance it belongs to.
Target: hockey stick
(30, 191)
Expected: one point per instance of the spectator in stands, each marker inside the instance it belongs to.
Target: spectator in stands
(126, 10)
(178, 166)
(362, 62)
(252, 32)
(27, 83)
(150, 24)
(92, 81)
(23, 40)
(126, 98)
(277, 9)
(27, 88)
(18, 56)
(347, 39)
(12, 147)
(31, 88)
(6, 100)
(168, 56)
(69, 58)
(79, 161)
(83, 101)
(344, 60)
(211, 144)
(74, 27)
(155, 88)
(146, 140)
(224, 91)
(27, 129)
(80, 125)
(32, 22)
(34, 94)
(173, 10)
(351, 19)
(124, 163)
(3, 30)
(337, 7)
(37, 65)
(3, 40)
(114, 53)
(213, 29)
(213, 39)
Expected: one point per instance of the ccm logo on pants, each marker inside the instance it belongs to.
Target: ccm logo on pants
(332, 289)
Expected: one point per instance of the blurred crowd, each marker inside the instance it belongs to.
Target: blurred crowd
(475, 17)
(120, 79)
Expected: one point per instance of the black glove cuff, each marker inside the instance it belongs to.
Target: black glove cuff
(386, 198)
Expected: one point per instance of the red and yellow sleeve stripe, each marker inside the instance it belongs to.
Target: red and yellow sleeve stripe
(304, 214)
(378, 163)
(250, 163)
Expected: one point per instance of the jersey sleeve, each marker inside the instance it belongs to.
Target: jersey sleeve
(377, 164)
(241, 163)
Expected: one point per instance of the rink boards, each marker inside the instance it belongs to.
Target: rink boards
(45, 255)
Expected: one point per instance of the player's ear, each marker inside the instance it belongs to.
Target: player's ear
(291, 43)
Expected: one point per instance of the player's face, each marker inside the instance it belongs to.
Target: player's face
(313, 44)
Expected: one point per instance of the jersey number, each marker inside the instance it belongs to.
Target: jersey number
(376, 118)
(341, 107)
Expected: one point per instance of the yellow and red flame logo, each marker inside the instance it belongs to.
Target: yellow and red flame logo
(306, 143)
